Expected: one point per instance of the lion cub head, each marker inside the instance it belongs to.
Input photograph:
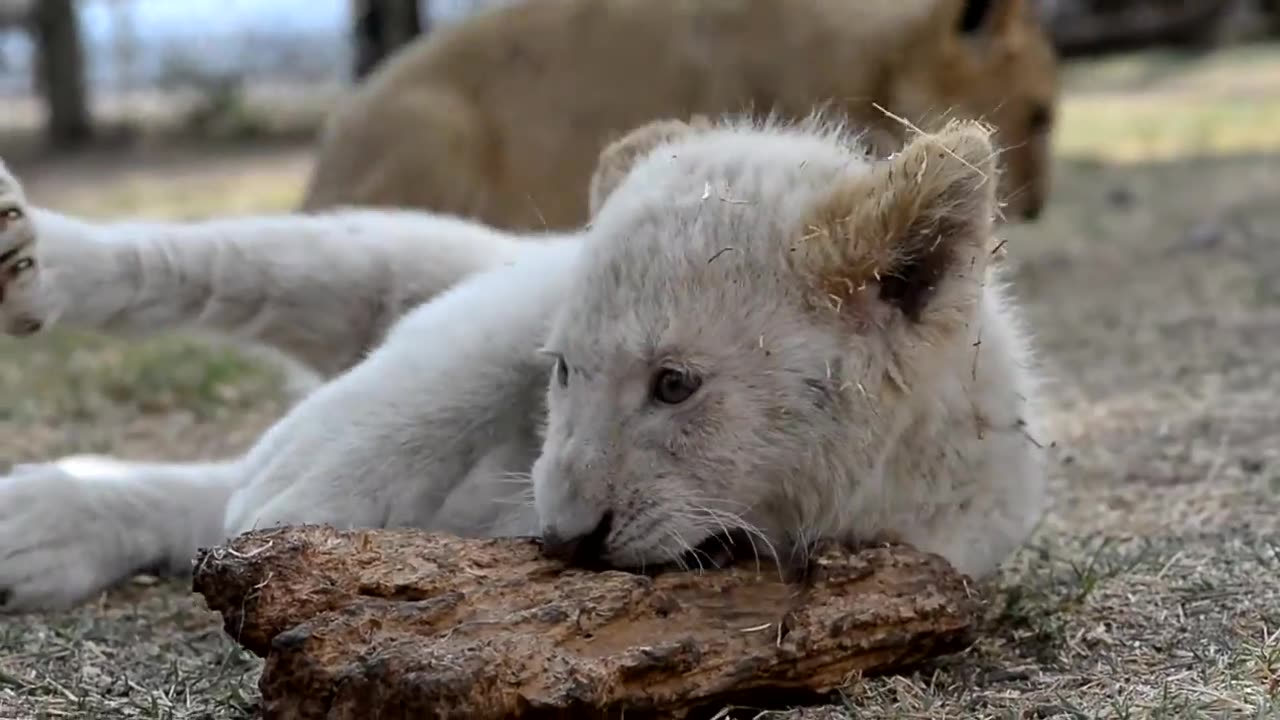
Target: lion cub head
(755, 308)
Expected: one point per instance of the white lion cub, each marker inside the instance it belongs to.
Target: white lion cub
(762, 337)
(321, 289)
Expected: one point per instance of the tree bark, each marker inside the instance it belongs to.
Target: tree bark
(406, 624)
(382, 27)
(60, 70)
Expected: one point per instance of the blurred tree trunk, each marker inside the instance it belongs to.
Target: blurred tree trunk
(60, 68)
(1096, 27)
(13, 14)
(382, 26)
(1270, 10)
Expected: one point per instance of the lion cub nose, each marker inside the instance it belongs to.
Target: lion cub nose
(581, 549)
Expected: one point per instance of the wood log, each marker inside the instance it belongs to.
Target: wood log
(408, 624)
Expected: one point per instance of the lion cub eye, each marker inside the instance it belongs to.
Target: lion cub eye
(673, 386)
(23, 265)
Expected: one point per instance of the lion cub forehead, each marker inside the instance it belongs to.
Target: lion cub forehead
(759, 158)
(701, 184)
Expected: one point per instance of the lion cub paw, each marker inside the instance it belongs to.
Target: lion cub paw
(20, 308)
(54, 549)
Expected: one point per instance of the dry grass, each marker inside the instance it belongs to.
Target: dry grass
(1152, 590)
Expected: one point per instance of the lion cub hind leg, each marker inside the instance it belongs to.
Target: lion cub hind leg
(72, 528)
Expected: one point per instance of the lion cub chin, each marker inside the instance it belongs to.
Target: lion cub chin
(772, 340)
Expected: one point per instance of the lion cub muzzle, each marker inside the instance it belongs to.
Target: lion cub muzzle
(583, 550)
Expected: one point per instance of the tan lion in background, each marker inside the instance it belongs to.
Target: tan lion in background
(501, 117)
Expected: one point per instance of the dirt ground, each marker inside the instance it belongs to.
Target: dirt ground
(1152, 589)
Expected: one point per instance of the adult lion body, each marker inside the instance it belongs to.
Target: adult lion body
(502, 116)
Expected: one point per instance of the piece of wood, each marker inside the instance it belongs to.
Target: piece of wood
(406, 624)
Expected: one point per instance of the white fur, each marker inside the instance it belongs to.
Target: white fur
(803, 428)
(72, 527)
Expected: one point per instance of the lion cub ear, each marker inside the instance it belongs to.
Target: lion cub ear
(619, 156)
(910, 235)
